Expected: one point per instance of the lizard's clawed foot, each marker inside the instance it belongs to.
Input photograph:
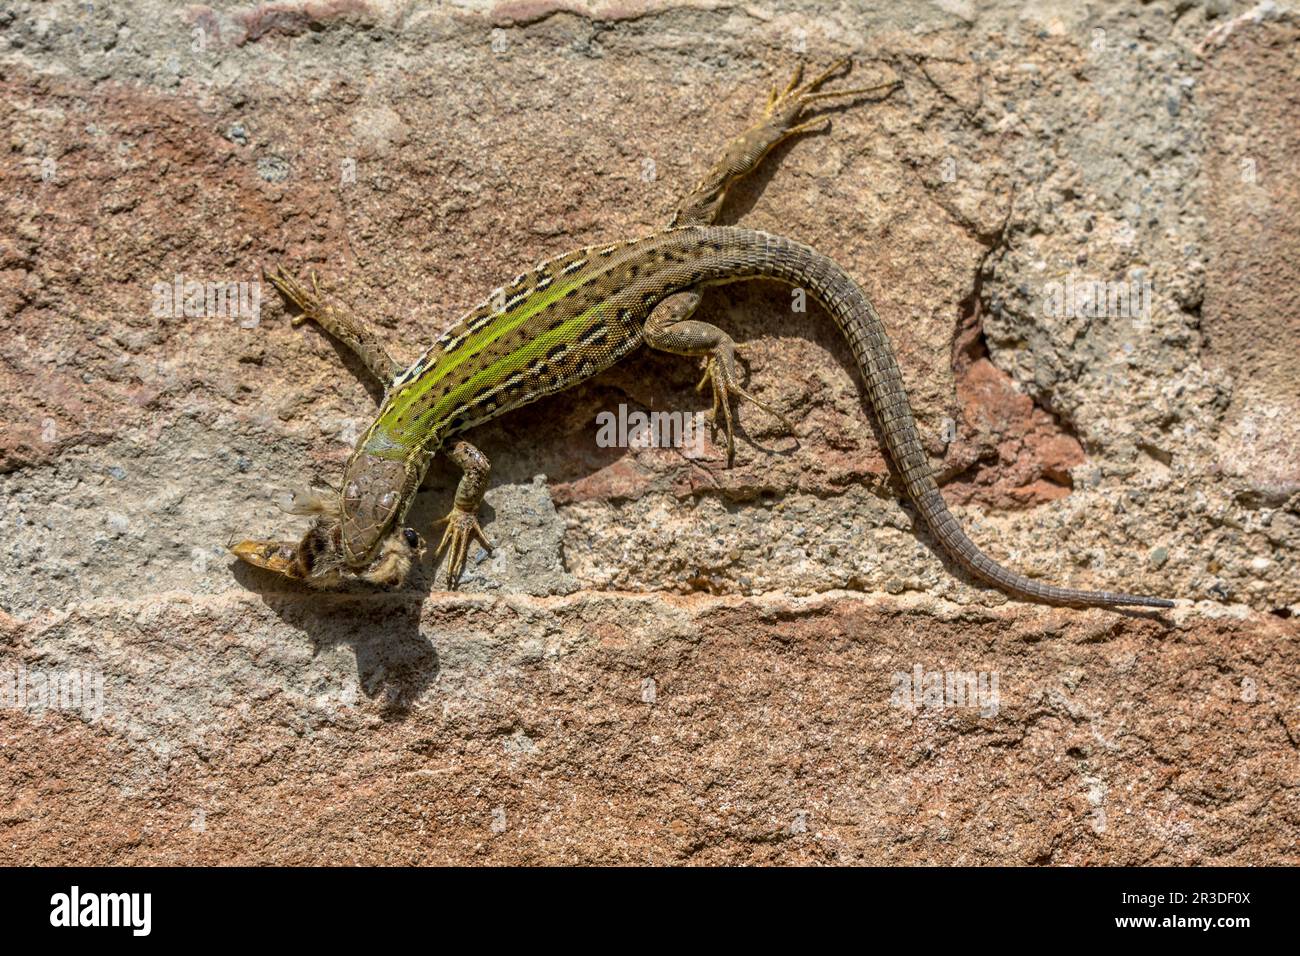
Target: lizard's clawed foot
(462, 531)
(785, 105)
(720, 371)
(310, 303)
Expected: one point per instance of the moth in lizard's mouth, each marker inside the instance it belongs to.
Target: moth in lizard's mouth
(317, 559)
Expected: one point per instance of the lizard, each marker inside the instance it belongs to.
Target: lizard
(565, 321)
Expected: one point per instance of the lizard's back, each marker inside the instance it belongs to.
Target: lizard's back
(552, 327)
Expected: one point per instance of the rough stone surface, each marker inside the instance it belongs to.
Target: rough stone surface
(664, 660)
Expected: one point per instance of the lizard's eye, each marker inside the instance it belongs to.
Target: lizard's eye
(412, 538)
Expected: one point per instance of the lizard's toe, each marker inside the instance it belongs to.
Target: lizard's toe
(462, 531)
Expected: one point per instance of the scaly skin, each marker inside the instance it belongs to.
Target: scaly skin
(569, 319)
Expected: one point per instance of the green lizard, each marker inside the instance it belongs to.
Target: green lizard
(562, 323)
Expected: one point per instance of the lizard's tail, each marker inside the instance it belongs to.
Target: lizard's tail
(761, 254)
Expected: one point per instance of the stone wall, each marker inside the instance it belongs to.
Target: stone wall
(664, 660)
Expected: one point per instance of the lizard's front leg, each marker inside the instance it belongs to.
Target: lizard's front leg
(338, 322)
(462, 521)
(318, 559)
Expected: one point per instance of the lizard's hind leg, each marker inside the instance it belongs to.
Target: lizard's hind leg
(669, 326)
(338, 322)
(779, 121)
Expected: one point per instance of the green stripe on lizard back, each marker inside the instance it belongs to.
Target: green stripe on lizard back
(549, 328)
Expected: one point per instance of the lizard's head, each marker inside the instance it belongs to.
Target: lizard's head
(376, 492)
(320, 559)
